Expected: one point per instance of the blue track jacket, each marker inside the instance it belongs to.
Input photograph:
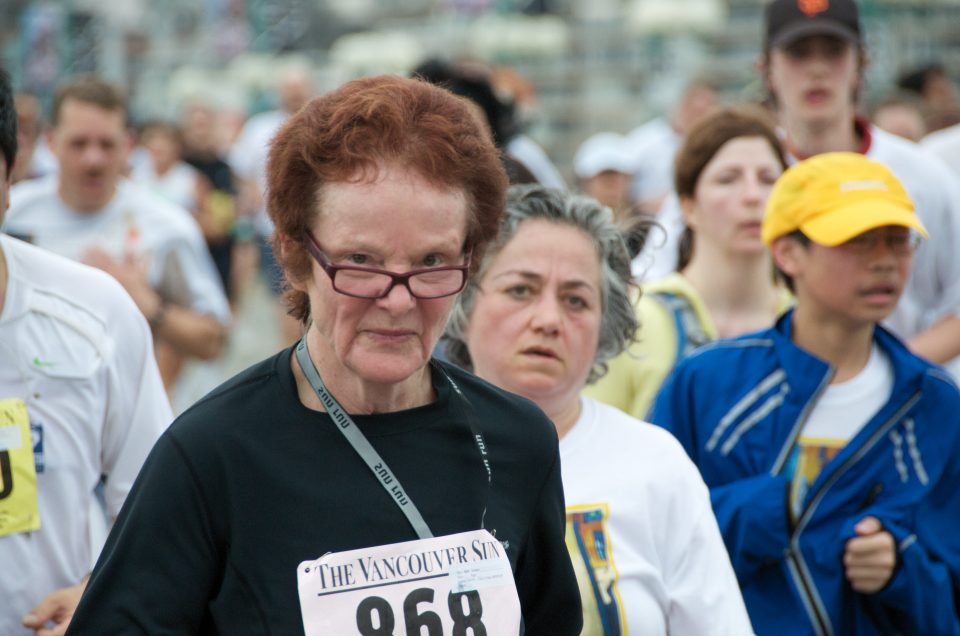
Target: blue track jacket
(738, 407)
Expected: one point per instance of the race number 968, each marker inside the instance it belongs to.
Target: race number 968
(375, 615)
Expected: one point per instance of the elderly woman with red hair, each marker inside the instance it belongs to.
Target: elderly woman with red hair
(351, 484)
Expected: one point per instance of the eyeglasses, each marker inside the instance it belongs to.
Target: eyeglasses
(368, 282)
(900, 243)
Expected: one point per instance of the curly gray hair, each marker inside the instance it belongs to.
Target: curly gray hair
(618, 322)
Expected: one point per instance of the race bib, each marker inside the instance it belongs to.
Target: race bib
(456, 585)
(19, 508)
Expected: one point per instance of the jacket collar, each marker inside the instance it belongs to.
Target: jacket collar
(805, 370)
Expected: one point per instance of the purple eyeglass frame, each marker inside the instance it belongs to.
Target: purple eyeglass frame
(396, 279)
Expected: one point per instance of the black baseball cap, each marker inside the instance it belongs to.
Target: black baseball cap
(790, 20)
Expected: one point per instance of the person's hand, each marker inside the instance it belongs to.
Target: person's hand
(57, 607)
(130, 273)
(870, 557)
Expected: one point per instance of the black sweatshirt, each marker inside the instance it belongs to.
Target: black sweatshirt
(249, 482)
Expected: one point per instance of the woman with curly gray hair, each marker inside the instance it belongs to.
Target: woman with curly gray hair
(549, 305)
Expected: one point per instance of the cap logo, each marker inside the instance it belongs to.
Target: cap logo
(849, 186)
(812, 7)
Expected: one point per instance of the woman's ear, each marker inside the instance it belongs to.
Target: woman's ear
(287, 245)
(688, 208)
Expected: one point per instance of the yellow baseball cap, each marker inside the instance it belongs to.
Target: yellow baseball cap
(836, 196)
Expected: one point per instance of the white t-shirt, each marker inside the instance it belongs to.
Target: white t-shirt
(838, 415)
(136, 221)
(946, 145)
(643, 538)
(77, 351)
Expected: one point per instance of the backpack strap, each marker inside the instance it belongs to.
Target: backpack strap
(690, 333)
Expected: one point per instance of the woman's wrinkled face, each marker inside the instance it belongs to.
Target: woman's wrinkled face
(535, 326)
(397, 222)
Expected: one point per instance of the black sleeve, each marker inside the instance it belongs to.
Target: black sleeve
(160, 564)
(549, 596)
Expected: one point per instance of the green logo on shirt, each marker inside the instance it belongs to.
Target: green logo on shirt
(37, 362)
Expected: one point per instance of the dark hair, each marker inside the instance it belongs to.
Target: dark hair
(8, 123)
(704, 142)
(351, 133)
(916, 80)
(618, 323)
(476, 87)
(90, 89)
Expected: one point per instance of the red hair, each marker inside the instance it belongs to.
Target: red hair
(350, 134)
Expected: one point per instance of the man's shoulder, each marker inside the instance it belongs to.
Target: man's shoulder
(944, 138)
(32, 189)
(147, 205)
(27, 198)
(160, 220)
(61, 306)
(918, 168)
(60, 277)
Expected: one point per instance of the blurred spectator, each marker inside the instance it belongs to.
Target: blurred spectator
(901, 114)
(167, 173)
(514, 87)
(603, 165)
(248, 158)
(248, 155)
(164, 171)
(201, 150)
(656, 142)
(90, 212)
(934, 86)
(34, 158)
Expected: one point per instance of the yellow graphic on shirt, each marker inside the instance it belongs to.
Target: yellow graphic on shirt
(813, 453)
(591, 554)
(19, 508)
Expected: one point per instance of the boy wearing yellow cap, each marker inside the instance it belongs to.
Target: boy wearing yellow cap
(832, 452)
(813, 62)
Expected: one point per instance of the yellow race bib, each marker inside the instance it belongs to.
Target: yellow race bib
(19, 508)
